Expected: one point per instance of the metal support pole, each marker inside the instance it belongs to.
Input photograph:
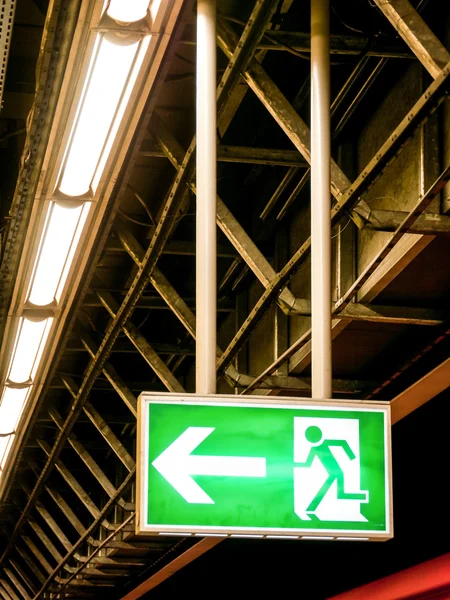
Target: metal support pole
(206, 294)
(320, 200)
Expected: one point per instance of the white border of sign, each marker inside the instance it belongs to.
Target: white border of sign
(147, 398)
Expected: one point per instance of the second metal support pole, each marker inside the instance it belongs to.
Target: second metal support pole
(320, 200)
(206, 275)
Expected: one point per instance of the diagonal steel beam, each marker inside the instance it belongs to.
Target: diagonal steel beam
(187, 317)
(227, 222)
(4, 594)
(30, 562)
(23, 576)
(75, 485)
(41, 560)
(86, 535)
(279, 107)
(103, 428)
(304, 340)
(111, 374)
(78, 571)
(401, 230)
(425, 106)
(10, 593)
(17, 585)
(66, 510)
(88, 460)
(43, 537)
(416, 33)
(141, 344)
(157, 279)
(53, 525)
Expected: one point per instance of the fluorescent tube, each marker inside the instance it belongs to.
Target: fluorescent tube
(11, 408)
(28, 347)
(62, 230)
(110, 67)
(120, 112)
(127, 11)
(5, 447)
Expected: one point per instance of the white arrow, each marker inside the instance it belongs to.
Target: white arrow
(177, 465)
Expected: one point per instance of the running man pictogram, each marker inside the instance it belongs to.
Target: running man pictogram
(322, 449)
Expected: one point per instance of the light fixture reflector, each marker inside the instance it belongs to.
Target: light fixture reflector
(108, 73)
(62, 230)
(28, 347)
(127, 11)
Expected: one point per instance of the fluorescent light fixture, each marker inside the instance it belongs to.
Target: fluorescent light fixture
(127, 11)
(28, 347)
(11, 408)
(110, 67)
(5, 447)
(246, 535)
(62, 230)
(121, 110)
(101, 101)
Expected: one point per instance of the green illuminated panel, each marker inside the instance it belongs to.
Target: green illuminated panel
(264, 468)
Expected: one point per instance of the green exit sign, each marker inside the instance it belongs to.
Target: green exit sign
(232, 466)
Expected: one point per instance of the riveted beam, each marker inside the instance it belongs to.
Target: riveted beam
(425, 224)
(416, 33)
(340, 44)
(253, 156)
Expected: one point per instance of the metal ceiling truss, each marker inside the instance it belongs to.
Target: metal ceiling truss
(71, 538)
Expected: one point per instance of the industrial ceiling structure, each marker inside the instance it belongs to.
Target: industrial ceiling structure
(118, 318)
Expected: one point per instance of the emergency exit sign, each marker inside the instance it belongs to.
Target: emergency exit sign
(225, 465)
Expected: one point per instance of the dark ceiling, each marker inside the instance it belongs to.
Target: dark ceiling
(397, 333)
